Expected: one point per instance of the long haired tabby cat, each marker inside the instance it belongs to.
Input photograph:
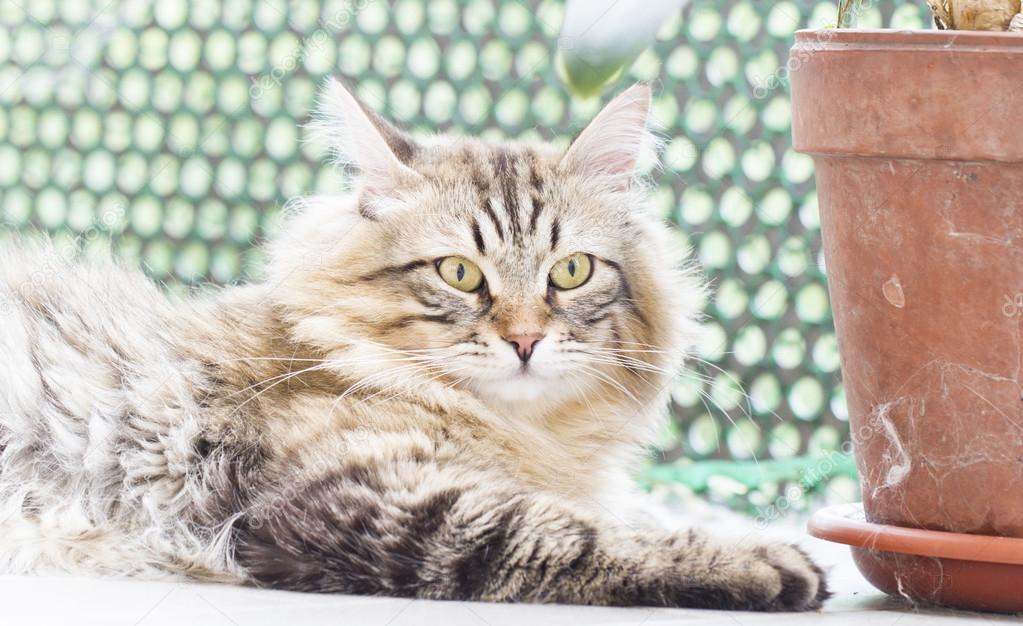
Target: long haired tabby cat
(437, 392)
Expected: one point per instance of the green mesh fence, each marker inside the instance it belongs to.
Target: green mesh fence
(169, 132)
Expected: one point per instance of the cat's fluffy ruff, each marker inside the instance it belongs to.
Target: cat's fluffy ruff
(353, 424)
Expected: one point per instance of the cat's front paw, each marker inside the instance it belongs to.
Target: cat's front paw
(787, 579)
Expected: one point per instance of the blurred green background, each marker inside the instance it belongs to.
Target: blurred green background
(171, 132)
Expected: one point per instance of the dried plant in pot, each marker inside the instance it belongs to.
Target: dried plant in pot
(918, 144)
(992, 15)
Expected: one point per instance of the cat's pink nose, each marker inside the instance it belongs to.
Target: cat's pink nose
(524, 344)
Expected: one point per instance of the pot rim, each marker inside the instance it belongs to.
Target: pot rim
(847, 524)
(881, 37)
(923, 96)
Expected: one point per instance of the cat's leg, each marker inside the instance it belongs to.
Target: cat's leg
(434, 533)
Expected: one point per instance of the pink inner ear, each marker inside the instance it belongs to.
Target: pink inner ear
(615, 162)
(611, 144)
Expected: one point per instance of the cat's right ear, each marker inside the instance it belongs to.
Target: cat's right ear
(359, 138)
(612, 143)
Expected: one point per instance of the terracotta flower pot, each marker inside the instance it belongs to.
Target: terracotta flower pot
(917, 139)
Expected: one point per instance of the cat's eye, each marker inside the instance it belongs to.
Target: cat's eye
(460, 273)
(572, 271)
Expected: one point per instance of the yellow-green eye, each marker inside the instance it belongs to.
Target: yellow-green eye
(571, 271)
(460, 273)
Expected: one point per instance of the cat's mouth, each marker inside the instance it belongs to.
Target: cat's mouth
(525, 371)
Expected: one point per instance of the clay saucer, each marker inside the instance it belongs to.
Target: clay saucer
(977, 572)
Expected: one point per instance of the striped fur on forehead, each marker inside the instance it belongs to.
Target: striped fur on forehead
(518, 207)
(507, 183)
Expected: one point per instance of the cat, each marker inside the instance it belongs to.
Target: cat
(437, 391)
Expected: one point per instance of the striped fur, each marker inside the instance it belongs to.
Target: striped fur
(353, 424)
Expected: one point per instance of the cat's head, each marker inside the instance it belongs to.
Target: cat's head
(523, 272)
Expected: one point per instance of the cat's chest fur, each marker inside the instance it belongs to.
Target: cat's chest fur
(322, 427)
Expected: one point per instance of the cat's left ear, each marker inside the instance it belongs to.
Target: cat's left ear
(362, 139)
(612, 142)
